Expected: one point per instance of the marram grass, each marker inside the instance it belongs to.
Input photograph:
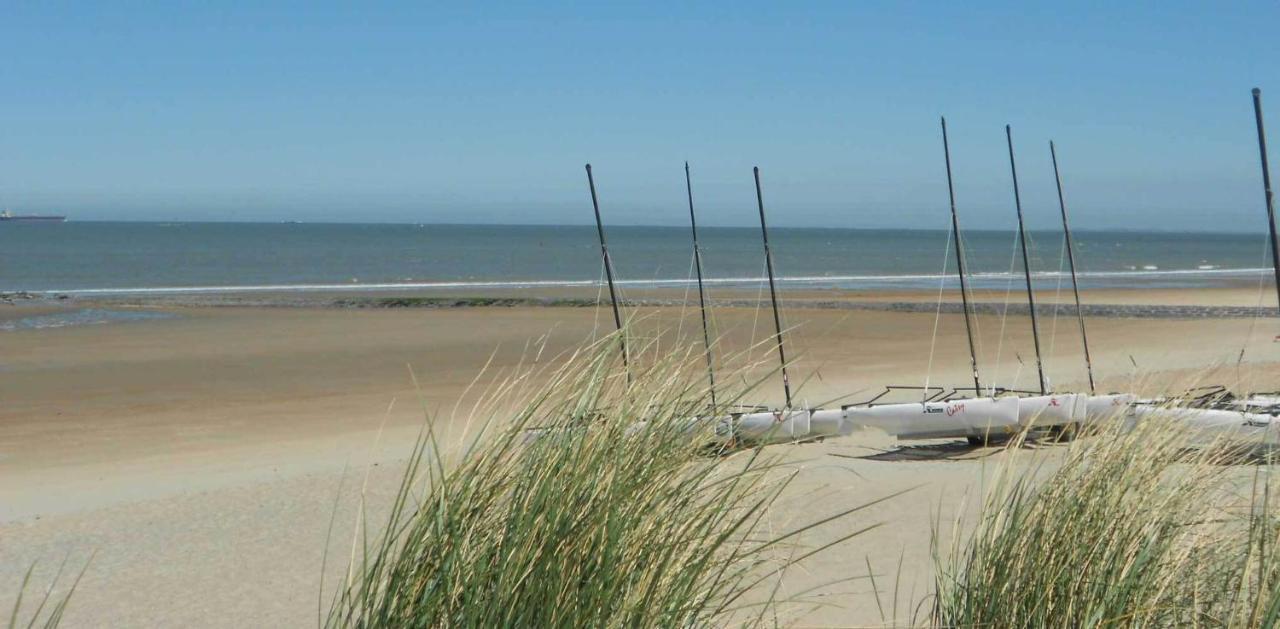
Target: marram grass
(614, 515)
(1130, 529)
(585, 497)
(48, 609)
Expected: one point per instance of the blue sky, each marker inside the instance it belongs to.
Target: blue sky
(447, 113)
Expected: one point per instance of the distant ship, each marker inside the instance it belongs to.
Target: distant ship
(9, 216)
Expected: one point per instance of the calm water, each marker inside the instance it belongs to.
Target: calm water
(87, 316)
(116, 257)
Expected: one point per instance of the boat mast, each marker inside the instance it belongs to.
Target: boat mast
(964, 285)
(773, 291)
(1071, 261)
(608, 271)
(702, 296)
(1026, 264)
(1266, 185)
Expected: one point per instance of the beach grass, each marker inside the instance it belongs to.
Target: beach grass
(1131, 528)
(585, 491)
(47, 610)
(593, 501)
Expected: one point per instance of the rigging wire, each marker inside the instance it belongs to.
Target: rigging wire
(1257, 308)
(1026, 263)
(967, 291)
(684, 302)
(773, 290)
(960, 270)
(608, 269)
(755, 321)
(937, 316)
(1004, 316)
(696, 265)
(1266, 187)
(595, 313)
(1071, 260)
(1057, 298)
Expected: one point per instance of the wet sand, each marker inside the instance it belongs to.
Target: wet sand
(200, 456)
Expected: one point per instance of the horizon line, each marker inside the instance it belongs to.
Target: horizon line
(1147, 230)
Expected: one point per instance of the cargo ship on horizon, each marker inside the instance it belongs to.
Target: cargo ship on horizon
(34, 218)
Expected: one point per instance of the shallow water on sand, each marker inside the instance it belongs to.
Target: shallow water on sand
(87, 316)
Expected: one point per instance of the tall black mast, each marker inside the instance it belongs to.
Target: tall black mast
(1266, 185)
(773, 291)
(608, 270)
(1026, 264)
(964, 283)
(702, 296)
(1071, 260)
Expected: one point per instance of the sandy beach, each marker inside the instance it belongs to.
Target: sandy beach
(198, 457)
(462, 315)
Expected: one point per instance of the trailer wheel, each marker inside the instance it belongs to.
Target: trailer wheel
(982, 441)
(1065, 433)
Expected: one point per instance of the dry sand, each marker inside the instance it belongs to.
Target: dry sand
(200, 457)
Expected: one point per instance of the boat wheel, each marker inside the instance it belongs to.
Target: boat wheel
(1063, 434)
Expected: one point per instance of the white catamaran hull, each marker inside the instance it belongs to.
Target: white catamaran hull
(1051, 410)
(768, 426)
(1206, 426)
(967, 418)
(1108, 407)
(977, 417)
(783, 426)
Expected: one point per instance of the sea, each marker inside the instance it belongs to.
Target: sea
(86, 258)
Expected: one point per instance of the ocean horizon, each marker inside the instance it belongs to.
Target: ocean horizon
(121, 257)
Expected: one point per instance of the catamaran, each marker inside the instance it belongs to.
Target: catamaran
(1212, 414)
(977, 419)
(787, 423)
(942, 414)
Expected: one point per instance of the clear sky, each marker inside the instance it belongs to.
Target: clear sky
(225, 111)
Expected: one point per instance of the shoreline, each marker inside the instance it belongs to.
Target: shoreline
(1227, 302)
(1131, 278)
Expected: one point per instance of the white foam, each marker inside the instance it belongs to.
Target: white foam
(1148, 271)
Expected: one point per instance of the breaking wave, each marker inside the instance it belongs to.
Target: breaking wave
(1149, 276)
